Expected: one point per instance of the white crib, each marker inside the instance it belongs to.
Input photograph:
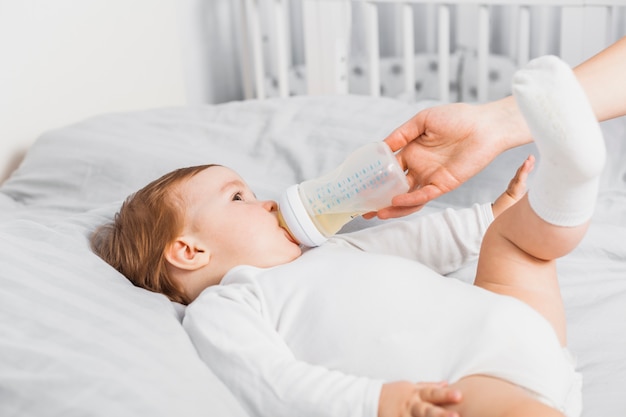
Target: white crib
(455, 45)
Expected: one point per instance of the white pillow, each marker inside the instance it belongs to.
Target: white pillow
(79, 339)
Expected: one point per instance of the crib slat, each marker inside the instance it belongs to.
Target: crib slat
(544, 29)
(246, 71)
(373, 64)
(326, 34)
(523, 37)
(312, 47)
(444, 52)
(576, 45)
(483, 53)
(254, 23)
(408, 48)
(282, 53)
(611, 25)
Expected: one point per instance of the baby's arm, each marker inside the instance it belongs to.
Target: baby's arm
(227, 326)
(443, 241)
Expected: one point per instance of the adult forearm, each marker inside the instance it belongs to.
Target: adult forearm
(603, 77)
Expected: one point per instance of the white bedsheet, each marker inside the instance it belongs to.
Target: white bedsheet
(78, 339)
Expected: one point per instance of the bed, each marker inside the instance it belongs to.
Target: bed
(78, 339)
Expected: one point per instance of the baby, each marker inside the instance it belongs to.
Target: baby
(349, 327)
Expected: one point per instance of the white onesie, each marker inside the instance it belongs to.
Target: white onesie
(318, 336)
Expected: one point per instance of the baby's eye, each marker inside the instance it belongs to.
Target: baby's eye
(237, 197)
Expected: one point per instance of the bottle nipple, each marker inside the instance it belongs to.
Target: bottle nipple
(282, 223)
(295, 217)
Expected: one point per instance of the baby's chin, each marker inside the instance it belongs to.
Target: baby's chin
(294, 252)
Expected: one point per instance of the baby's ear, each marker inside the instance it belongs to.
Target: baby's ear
(187, 253)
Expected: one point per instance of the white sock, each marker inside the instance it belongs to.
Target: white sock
(569, 139)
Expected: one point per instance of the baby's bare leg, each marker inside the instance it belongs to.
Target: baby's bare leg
(484, 396)
(520, 248)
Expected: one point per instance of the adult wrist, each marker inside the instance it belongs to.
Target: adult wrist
(510, 128)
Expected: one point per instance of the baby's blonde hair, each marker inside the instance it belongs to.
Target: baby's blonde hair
(147, 223)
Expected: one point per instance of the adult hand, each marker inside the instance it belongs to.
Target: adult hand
(442, 147)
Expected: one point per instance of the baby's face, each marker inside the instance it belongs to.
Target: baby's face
(238, 228)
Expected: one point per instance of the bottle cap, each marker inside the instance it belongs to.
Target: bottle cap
(297, 218)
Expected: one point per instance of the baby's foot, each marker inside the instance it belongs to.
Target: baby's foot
(569, 139)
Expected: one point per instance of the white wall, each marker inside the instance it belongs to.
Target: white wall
(65, 60)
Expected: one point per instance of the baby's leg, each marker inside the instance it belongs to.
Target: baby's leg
(519, 250)
(485, 396)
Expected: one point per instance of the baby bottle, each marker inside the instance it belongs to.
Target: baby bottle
(366, 181)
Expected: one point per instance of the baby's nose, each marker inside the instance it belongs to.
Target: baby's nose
(270, 205)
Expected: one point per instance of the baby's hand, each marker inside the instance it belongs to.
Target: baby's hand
(425, 399)
(516, 188)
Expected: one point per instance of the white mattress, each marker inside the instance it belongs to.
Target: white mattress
(79, 339)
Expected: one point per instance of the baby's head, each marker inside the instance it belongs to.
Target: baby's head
(181, 233)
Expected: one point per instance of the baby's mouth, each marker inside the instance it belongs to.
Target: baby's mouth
(290, 237)
(283, 225)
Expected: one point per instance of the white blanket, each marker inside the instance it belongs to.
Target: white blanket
(78, 339)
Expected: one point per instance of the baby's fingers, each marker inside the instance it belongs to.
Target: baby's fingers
(517, 185)
(433, 396)
(430, 410)
(438, 393)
